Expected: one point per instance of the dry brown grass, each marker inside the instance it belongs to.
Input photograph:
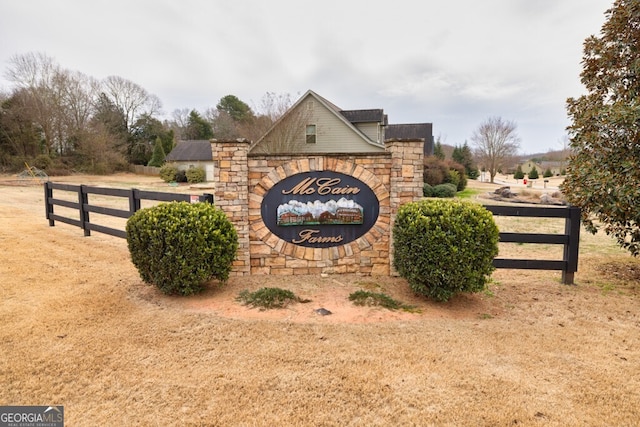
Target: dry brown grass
(81, 330)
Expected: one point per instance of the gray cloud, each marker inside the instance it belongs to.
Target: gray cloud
(452, 63)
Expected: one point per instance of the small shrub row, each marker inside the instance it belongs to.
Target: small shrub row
(440, 190)
(437, 171)
(269, 298)
(441, 247)
(170, 173)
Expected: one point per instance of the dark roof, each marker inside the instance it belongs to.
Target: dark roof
(364, 116)
(409, 131)
(186, 151)
(412, 131)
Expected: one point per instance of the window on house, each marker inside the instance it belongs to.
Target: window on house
(311, 134)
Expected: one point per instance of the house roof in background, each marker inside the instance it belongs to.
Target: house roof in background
(193, 150)
(410, 131)
(364, 116)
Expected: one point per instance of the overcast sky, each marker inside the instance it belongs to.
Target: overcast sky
(451, 63)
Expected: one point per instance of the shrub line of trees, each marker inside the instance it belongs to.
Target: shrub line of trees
(61, 120)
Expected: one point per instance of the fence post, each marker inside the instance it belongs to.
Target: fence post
(83, 199)
(48, 194)
(134, 201)
(572, 229)
(206, 198)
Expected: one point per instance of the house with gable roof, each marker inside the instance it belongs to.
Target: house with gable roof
(315, 125)
(192, 153)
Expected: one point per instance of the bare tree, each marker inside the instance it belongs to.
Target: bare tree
(31, 70)
(224, 127)
(181, 117)
(36, 73)
(19, 133)
(131, 98)
(79, 95)
(495, 142)
(284, 128)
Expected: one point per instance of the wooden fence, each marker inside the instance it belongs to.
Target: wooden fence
(84, 208)
(569, 239)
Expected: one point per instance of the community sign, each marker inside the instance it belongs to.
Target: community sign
(320, 209)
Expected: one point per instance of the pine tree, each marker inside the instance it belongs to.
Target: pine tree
(437, 150)
(157, 158)
(519, 174)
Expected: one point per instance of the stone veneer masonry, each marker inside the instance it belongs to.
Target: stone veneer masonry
(242, 179)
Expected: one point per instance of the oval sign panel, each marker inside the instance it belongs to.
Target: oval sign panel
(320, 209)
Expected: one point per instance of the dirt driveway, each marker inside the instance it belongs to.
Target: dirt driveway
(81, 330)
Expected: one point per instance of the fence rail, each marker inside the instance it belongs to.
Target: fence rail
(570, 239)
(84, 208)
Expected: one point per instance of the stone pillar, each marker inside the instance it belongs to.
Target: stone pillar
(231, 177)
(406, 180)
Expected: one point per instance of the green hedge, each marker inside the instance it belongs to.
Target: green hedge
(444, 247)
(195, 175)
(168, 173)
(441, 190)
(179, 246)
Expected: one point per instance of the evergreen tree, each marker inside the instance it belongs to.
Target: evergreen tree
(464, 156)
(533, 173)
(437, 150)
(197, 127)
(604, 167)
(237, 109)
(157, 158)
(519, 174)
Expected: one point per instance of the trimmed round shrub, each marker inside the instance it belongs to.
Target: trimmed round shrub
(444, 247)
(427, 190)
(195, 175)
(179, 246)
(168, 173)
(444, 191)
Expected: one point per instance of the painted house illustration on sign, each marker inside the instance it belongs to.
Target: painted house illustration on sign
(334, 212)
(315, 125)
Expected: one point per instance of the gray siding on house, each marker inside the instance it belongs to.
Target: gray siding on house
(334, 134)
(372, 130)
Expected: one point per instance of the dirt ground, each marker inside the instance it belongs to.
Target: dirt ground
(81, 330)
